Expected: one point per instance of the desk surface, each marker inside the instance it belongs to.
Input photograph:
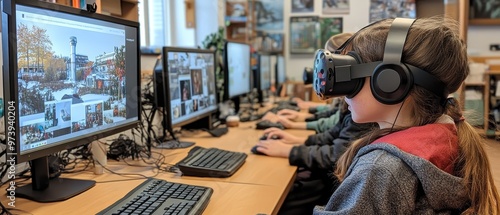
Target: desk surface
(260, 186)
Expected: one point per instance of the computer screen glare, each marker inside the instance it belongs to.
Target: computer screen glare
(238, 67)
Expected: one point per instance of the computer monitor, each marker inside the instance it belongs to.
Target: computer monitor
(264, 72)
(70, 77)
(188, 83)
(237, 69)
(280, 70)
(280, 74)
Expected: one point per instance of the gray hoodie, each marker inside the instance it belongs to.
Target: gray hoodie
(385, 180)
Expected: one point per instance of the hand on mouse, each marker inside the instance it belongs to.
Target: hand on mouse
(294, 115)
(270, 117)
(274, 148)
(290, 124)
(284, 136)
(289, 114)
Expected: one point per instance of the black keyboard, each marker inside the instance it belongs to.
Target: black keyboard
(211, 162)
(157, 196)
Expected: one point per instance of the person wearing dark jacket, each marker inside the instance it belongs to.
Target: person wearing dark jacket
(315, 156)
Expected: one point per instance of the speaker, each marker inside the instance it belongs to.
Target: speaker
(391, 79)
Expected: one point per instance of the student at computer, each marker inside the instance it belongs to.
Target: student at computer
(315, 155)
(424, 157)
(319, 125)
(324, 118)
(332, 43)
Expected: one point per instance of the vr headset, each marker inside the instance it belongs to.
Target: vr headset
(391, 79)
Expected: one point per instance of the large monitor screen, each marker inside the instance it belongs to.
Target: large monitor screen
(190, 84)
(237, 66)
(71, 84)
(280, 70)
(70, 77)
(265, 72)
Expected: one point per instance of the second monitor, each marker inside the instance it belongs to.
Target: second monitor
(187, 76)
(237, 71)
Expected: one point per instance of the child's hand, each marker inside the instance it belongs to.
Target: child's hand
(283, 136)
(290, 114)
(274, 148)
(286, 122)
(271, 117)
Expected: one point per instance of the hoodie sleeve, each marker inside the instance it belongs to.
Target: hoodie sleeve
(323, 124)
(321, 151)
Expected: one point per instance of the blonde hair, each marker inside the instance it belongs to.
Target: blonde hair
(433, 45)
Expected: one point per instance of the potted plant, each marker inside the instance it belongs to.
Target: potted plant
(215, 41)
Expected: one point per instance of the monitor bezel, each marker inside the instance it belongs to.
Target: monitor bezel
(10, 81)
(166, 85)
(226, 71)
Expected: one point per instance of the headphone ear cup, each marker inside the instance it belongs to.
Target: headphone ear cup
(391, 83)
(355, 56)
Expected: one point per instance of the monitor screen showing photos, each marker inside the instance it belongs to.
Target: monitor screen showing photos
(70, 85)
(191, 84)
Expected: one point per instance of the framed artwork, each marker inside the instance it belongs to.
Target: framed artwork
(302, 6)
(268, 14)
(304, 34)
(484, 12)
(335, 6)
(330, 27)
(268, 42)
(383, 9)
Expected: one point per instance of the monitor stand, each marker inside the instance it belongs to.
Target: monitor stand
(174, 143)
(43, 189)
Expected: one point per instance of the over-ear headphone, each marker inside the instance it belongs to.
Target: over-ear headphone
(391, 79)
(307, 75)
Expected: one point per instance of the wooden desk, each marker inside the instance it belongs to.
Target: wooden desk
(260, 186)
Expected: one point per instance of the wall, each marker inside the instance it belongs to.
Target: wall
(356, 19)
(181, 36)
(206, 22)
(479, 39)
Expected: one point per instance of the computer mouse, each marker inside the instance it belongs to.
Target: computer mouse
(264, 137)
(274, 137)
(254, 151)
(265, 124)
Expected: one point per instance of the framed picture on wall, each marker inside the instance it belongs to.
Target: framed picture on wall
(383, 9)
(484, 12)
(329, 27)
(302, 6)
(335, 7)
(304, 34)
(268, 14)
(268, 42)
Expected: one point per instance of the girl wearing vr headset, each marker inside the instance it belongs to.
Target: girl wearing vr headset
(424, 158)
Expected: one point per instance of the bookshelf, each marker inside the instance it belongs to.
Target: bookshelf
(125, 9)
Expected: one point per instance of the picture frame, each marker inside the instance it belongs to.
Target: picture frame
(484, 12)
(268, 42)
(330, 26)
(304, 34)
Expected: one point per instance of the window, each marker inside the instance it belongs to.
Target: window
(154, 19)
